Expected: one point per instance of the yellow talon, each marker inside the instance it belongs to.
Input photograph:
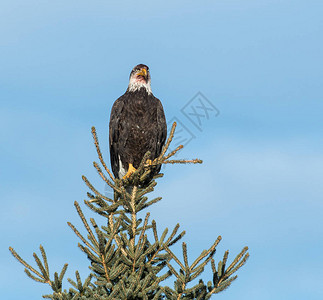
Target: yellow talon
(130, 171)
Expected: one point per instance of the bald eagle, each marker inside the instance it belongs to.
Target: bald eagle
(137, 125)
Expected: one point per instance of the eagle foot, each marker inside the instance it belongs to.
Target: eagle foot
(130, 171)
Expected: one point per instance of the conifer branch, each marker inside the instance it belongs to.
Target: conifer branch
(172, 153)
(154, 226)
(81, 237)
(183, 161)
(105, 269)
(221, 277)
(163, 159)
(27, 266)
(133, 216)
(43, 276)
(206, 253)
(90, 186)
(169, 140)
(43, 253)
(87, 227)
(97, 146)
(144, 228)
(105, 179)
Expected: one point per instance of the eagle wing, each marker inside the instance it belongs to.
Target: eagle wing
(114, 133)
(162, 127)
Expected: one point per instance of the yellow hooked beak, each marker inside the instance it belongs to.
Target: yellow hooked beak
(143, 72)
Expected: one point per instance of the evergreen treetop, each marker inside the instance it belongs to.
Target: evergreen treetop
(125, 262)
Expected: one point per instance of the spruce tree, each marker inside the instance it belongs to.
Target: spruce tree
(128, 258)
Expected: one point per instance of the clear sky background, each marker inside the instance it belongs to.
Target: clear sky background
(259, 62)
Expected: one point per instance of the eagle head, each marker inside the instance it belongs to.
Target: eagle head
(139, 78)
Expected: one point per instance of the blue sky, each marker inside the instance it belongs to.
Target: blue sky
(63, 63)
